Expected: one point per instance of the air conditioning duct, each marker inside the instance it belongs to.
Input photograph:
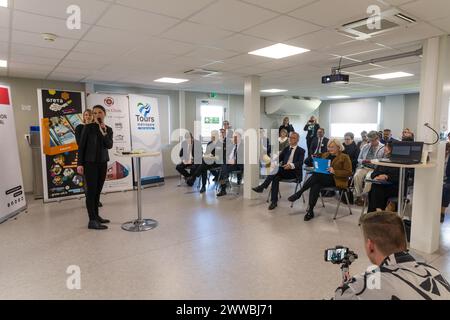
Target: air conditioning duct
(285, 105)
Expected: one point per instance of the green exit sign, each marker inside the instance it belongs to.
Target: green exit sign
(213, 95)
(212, 120)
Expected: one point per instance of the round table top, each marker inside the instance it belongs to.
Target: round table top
(400, 165)
(139, 154)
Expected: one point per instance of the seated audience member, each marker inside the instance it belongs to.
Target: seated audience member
(235, 162)
(398, 275)
(283, 140)
(265, 146)
(207, 164)
(351, 149)
(311, 127)
(340, 171)
(407, 135)
(318, 146)
(290, 167)
(363, 141)
(445, 191)
(286, 125)
(372, 150)
(387, 136)
(191, 156)
(387, 185)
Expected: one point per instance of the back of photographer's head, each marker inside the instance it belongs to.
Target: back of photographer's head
(384, 234)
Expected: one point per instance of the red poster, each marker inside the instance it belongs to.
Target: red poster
(4, 95)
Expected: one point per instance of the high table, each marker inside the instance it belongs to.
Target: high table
(402, 168)
(139, 224)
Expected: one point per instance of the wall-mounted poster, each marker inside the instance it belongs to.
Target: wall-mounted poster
(119, 173)
(146, 135)
(60, 112)
(12, 196)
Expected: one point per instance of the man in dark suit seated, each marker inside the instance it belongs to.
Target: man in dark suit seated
(318, 146)
(191, 154)
(291, 162)
(234, 162)
(208, 163)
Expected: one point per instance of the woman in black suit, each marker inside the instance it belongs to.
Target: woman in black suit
(351, 149)
(96, 139)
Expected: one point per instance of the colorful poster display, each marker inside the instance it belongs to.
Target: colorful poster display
(119, 175)
(60, 112)
(146, 135)
(12, 194)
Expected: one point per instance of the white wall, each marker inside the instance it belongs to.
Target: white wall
(393, 114)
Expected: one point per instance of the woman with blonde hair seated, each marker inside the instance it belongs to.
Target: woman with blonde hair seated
(339, 173)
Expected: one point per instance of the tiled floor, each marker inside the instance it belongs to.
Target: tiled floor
(203, 248)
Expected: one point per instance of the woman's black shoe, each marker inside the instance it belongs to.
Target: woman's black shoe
(442, 217)
(94, 224)
(222, 192)
(309, 215)
(295, 197)
(101, 220)
(203, 189)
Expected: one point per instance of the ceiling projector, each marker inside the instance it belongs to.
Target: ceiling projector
(336, 78)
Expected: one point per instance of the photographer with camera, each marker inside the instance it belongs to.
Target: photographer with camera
(398, 275)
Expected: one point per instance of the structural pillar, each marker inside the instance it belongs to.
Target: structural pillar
(182, 104)
(252, 116)
(433, 109)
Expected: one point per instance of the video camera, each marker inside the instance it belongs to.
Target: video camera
(343, 256)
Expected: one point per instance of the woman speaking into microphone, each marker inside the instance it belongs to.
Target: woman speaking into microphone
(93, 157)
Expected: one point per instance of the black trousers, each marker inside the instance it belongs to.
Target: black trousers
(226, 169)
(95, 175)
(379, 195)
(308, 144)
(275, 180)
(202, 170)
(181, 168)
(316, 182)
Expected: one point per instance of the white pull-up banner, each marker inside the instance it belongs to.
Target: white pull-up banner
(12, 194)
(119, 174)
(146, 135)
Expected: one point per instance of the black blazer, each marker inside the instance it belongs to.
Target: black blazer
(392, 173)
(78, 131)
(323, 147)
(289, 128)
(196, 152)
(353, 152)
(299, 156)
(238, 155)
(93, 146)
(312, 130)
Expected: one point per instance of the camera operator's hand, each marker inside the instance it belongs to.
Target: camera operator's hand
(331, 170)
(382, 177)
(347, 277)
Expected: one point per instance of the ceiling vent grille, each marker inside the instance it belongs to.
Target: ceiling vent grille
(389, 21)
(201, 72)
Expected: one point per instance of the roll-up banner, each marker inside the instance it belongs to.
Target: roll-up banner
(60, 112)
(119, 175)
(146, 135)
(12, 194)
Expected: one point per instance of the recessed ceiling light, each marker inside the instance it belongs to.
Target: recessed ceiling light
(3, 64)
(278, 51)
(338, 97)
(4, 3)
(392, 75)
(273, 90)
(171, 80)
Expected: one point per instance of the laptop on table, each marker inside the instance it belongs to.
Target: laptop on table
(405, 152)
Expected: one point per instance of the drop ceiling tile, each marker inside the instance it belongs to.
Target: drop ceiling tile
(428, 9)
(28, 74)
(330, 13)
(402, 35)
(4, 46)
(397, 2)
(319, 40)
(195, 33)
(101, 48)
(24, 21)
(20, 66)
(4, 35)
(17, 48)
(88, 57)
(247, 60)
(136, 21)
(281, 6)
(35, 39)
(174, 8)
(34, 60)
(232, 15)
(282, 28)
(81, 65)
(444, 24)
(4, 17)
(242, 43)
(186, 63)
(114, 37)
(353, 48)
(61, 76)
(3, 72)
(220, 66)
(157, 45)
(90, 9)
(251, 70)
(211, 53)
